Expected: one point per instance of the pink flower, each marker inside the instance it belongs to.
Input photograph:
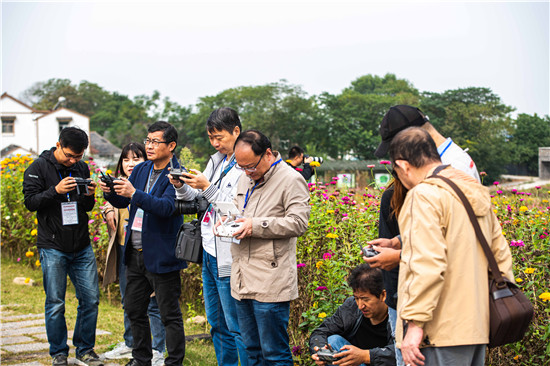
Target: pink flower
(92, 163)
(385, 162)
(321, 288)
(537, 187)
(499, 192)
(19, 259)
(333, 182)
(96, 238)
(496, 183)
(514, 191)
(90, 221)
(301, 265)
(97, 170)
(482, 174)
(327, 256)
(370, 166)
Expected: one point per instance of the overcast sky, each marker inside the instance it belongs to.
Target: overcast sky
(193, 49)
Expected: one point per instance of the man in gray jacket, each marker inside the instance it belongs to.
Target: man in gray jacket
(274, 201)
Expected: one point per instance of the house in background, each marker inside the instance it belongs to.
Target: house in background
(34, 130)
(104, 152)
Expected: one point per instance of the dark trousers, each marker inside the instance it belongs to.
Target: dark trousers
(167, 287)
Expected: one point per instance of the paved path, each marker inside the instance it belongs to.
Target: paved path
(23, 339)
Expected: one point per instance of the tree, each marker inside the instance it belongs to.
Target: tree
(528, 134)
(477, 120)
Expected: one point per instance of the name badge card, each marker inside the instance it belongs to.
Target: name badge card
(138, 220)
(69, 213)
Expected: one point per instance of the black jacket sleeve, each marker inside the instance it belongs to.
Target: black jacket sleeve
(384, 356)
(37, 194)
(307, 171)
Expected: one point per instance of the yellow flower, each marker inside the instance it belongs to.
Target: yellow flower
(34, 232)
(27, 280)
(545, 296)
(36, 221)
(495, 211)
(29, 254)
(332, 236)
(315, 305)
(544, 201)
(518, 280)
(322, 315)
(319, 264)
(516, 357)
(330, 211)
(504, 233)
(523, 209)
(529, 270)
(314, 164)
(109, 171)
(37, 263)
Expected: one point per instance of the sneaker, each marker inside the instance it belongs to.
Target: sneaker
(89, 359)
(158, 358)
(60, 360)
(120, 351)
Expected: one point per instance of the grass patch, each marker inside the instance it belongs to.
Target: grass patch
(30, 299)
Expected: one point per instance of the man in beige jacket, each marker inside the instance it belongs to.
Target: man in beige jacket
(274, 201)
(443, 303)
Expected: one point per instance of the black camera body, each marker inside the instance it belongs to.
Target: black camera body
(108, 180)
(327, 355)
(197, 206)
(82, 185)
(369, 252)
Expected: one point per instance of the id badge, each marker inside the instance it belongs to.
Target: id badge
(138, 220)
(207, 217)
(69, 213)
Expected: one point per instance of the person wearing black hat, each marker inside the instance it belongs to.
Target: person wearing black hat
(399, 118)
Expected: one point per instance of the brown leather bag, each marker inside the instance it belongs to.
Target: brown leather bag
(510, 312)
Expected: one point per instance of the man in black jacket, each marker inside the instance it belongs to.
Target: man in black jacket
(359, 328)
(296, 158)
(63, 241)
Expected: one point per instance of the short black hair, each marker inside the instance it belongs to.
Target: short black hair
(169, 132)
(73, 138)
(295, 151)
(414, 145)
(135, 147)
(224, 118)
(258, 142)
(365, 278)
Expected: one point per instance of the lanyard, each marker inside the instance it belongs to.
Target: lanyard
(232, 163)
(249, 192)
(446, 147)
(70, 175)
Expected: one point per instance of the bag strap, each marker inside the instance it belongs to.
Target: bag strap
(477, 228)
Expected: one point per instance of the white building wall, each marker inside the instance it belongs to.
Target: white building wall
(24, 131)
(48, 127)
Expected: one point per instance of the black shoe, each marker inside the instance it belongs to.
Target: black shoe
(133, 362)
(60, 360)
(89, 359)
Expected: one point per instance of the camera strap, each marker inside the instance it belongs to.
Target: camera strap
(61, 178)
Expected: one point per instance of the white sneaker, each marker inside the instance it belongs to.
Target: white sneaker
(120, 351)
(158, 358)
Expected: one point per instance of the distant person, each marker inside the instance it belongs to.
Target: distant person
(63, 242)
(218, 183)
(359, 328)
(395, 120)
(274, 202)
(149, 243)
(132, 154)
(297, 161)
(443, 304)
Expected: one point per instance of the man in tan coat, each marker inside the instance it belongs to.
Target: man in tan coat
(443, 303)
(274, 201)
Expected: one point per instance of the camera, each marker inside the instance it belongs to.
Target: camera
(108, 180)
(327, 355)
(82, 184)
(196, 206)
(315, 158)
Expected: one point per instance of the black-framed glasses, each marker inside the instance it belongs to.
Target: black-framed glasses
(253, 169)
(71, 156)
(154, 143)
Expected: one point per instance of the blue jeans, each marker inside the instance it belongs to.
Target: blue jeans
(337, 342)
(157, 329)
(82, 270)
(392, 318)
(221, 313)
(263, 328)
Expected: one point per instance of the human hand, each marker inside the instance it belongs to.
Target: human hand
(246, 228)
(387, 258)
(352, 356)
(104, 187)
(410, 346)
(308, 160)
(178, 183)
(196, 179)
(386, 243)
(316, 358)
(66, 185)
(124, 188)
(110, 219)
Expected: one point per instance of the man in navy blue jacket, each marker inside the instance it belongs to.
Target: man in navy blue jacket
(149, 246)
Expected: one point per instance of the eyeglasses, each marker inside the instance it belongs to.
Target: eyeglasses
(71, 156)
(253, 169)
(154, 143)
